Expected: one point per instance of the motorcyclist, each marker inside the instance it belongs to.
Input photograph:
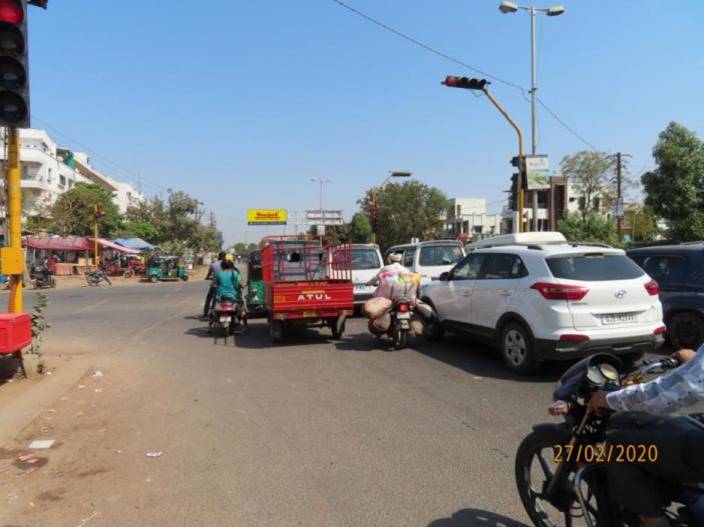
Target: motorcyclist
(214, 269)
(227, 282)
(388, 274)
(680, 455)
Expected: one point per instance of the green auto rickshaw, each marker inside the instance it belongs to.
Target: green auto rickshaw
(166, 268)
(255, 286)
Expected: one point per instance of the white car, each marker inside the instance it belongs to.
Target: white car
(549, 301)
(366, 262)
(429, 259)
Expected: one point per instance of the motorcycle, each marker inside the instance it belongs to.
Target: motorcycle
(397, 323)
(557, 489)
(95, 277)
(227, 315)
(41, 276)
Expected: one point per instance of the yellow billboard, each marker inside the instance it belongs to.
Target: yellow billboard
(267, 216)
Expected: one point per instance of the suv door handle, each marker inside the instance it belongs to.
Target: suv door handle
(505, 292)
(466, 293)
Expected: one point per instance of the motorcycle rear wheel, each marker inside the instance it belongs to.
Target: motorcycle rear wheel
(534, 457)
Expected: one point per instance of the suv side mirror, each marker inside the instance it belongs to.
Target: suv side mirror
(445, 277)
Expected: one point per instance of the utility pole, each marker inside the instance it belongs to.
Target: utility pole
(322, 214)
(96, 215)
(619, 199)
(14, 217)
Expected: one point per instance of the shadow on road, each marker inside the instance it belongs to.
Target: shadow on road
(482, 360)
(476, 518)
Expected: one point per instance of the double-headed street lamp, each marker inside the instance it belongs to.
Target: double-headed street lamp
(375, 204)
(322, 183)
(511, 7)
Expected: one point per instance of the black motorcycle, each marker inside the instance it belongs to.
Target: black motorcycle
(556, 488)
(94, 278)
(41, 276)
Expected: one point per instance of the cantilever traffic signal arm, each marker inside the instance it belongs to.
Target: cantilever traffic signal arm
(466, 83)
(39, 3)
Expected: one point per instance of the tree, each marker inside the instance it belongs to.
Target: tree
(73, 212)
(140, 229)
(177, 221)
(410, 210)
(591, 227)
(642, 224)
(591, 174)
(675, 189)
(360, 230)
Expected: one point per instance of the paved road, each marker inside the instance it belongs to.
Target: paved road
(312, 432)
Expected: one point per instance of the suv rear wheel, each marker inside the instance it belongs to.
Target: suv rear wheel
(686, 331)
(516, 348)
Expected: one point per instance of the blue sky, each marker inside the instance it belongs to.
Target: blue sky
(241, 103)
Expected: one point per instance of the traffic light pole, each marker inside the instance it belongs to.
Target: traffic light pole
(521, 156)
(14, 215)
(95, 235)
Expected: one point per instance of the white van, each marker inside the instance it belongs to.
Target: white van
(366, 262)
(429, 259)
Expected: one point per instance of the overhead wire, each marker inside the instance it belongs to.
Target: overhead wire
(459, 62)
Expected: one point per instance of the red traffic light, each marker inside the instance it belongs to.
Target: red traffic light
(466, 83)
(11, 11)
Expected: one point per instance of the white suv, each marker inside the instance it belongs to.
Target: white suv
(549, 301)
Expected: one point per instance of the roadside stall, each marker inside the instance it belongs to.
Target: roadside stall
(66, 255)
(115, 258)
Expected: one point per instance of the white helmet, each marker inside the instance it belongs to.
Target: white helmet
(395, 258)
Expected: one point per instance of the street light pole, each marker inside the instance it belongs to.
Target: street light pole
(375, 205)
(533, 86)
(322, 183)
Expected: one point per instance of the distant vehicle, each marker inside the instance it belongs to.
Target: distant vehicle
(429, 259)
(366, 262)
(549, 301)
(254, 291)
(679, 269)
(166, 268)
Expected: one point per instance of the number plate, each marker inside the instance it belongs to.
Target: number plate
(225, 320)
(403, 316)
(310, 314)
(618, 318)
(363, 288)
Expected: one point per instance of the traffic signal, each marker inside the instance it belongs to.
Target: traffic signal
(466, 83)
(513, 199)
(14, 68)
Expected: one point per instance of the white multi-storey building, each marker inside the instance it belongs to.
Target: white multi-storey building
(47, 171)
(467, 218)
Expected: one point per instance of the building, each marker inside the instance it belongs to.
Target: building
(552, 204)
(467, 219)
(48, 171)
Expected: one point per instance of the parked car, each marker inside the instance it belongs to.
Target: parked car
(429, 259)
(366, 262)
(549, 301)
(679, 269)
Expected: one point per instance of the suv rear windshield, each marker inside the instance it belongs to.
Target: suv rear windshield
(365, 259)
(594, 267)
(432, 255)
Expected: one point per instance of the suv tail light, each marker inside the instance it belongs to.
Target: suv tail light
(660, 331)
(560, 291)
(653, 288)
(573, 338)
(403, 308)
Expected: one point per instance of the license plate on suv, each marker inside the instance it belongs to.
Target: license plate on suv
(618, 318)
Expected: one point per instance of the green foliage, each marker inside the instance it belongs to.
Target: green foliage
(177, 222)
(675, 189)
(642, 224)
(360, 230)
(140, 229)
(590, 227)
(73, 212)
(592, 176)
(39, 323)
(243, 249)
(410, 210)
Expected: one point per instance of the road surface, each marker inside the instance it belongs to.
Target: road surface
(311, 432)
